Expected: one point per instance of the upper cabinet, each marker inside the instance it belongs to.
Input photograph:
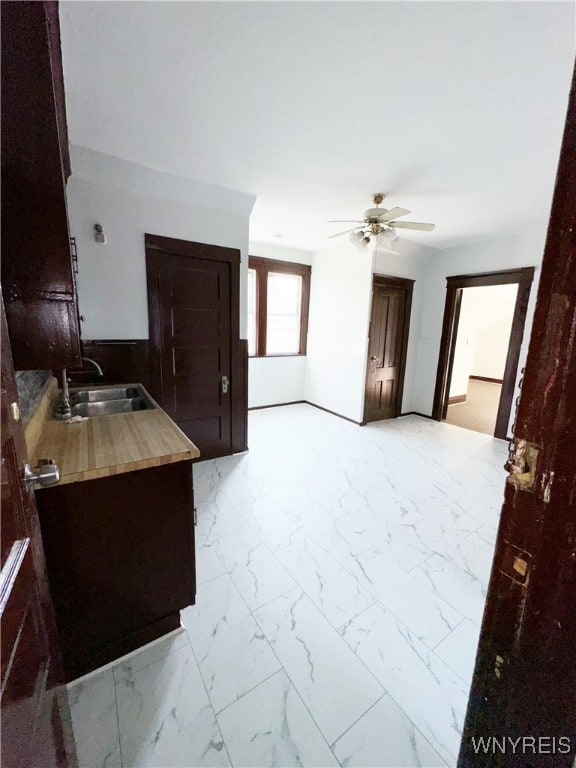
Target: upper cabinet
(37, 270)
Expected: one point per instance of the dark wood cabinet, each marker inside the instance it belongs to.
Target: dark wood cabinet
(34, 712)
(120, 560)
(37, 272)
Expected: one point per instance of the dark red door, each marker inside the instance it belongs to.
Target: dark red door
(522, 706)
(386, 351)
(192, 358)
(33, 699)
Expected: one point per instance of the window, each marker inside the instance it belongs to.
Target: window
(278, 297)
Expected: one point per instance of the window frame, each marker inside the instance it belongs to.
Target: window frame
(262, 267)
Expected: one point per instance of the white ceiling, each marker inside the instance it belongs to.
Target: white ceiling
(454, 109)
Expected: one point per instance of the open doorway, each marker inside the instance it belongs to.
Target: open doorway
(482, 341)
(482, 333)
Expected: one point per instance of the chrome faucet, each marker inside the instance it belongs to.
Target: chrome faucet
(63, 410)
(94, 363)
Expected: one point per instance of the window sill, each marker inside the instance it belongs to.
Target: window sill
(263, 357)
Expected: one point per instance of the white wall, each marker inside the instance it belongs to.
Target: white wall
(275, 380)
(494, 325)
(487, 256)
(340, 307)
(129, 200)
(267, 251)
(338, 329)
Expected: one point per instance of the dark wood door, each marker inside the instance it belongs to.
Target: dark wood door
(387, 349)
(524, 684)
(191, 333)
(33, 699)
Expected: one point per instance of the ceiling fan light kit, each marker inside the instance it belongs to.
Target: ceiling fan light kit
(379, 225)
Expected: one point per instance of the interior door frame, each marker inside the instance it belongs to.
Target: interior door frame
(156, 246)
(406, 285)
(523, 277)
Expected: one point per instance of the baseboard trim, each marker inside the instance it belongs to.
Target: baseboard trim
(277, 405)
(487, 378)
(456, 399)
(307, 402)
(333, 413)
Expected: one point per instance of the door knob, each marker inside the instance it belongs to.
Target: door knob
(224, 383)
(46, 473)
(376, 359)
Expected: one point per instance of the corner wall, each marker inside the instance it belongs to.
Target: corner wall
(129, 200)
(337, 332)
(340, 306)
(340, 313)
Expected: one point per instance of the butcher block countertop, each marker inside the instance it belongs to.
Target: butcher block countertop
(102, 446)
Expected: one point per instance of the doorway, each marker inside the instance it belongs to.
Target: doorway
(483, 327)
(194, 339)
(482, 341)
(387, 347)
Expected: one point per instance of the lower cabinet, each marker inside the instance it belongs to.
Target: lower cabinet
(120, 560)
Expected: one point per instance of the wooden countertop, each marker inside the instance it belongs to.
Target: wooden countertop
(110, 445)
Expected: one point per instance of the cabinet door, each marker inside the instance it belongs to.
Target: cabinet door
(34, 705)
(37, 275)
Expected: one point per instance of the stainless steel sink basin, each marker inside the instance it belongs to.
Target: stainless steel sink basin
(111, 393)
(108, 407)
(104, 401)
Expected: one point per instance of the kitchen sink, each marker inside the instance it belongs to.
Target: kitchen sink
(111, 393)
(104, 401)
(108, 407)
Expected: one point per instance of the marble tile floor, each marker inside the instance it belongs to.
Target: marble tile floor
(342, 572)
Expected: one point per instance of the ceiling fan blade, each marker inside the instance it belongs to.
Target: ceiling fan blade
(343, 233)
(412, 225)
(394, 213)
(345, 221)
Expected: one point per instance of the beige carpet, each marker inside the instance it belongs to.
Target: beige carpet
(480, 409)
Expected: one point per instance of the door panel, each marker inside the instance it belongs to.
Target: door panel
(193, 327)
(524, 683)
(195, 339)
(32, 702)
(386, 352)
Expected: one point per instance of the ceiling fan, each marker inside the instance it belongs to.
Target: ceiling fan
(380, 224)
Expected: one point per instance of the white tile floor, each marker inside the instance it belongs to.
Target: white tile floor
(341, 578)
